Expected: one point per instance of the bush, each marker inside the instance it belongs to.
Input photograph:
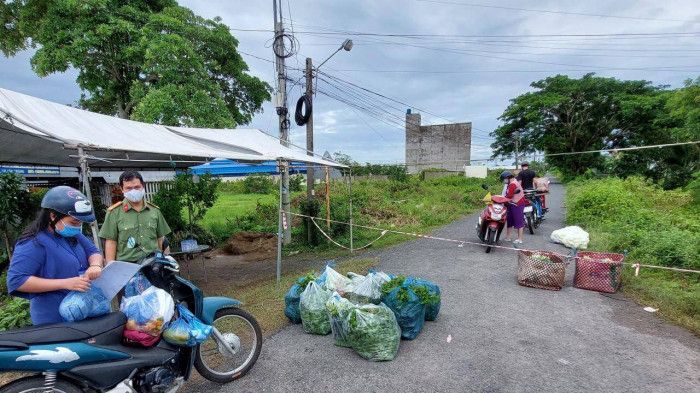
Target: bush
(310, 234)
(14, 314)
(170, 205)
(296, 183)
(258, 184)
(263, 219)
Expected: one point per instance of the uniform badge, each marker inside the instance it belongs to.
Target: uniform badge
(131, 242)
(126, 208)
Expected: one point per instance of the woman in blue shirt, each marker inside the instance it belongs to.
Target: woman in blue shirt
(52, 257)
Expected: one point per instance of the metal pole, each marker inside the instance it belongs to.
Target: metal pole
(282, 111)
(310, 180)
(88, 193)
(351, 220)
(328, 198)
(279, 230)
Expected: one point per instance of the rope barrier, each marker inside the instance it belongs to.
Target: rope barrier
(313, 219)
(461, 243)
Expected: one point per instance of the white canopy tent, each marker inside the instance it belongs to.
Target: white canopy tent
(36, 131)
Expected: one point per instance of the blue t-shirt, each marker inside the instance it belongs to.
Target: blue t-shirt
(51, 256)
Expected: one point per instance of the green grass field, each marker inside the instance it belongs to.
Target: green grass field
(232, 205)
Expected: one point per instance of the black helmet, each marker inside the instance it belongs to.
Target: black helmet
(506, 174)
(69, 201)
(525, 163)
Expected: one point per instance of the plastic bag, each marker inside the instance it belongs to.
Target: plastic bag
(291, 303)
(368, 290)
(148, 312)
(334, 281)
(355, 280)
(432, 308)
(186, 330)
(136, 285)
(571, 237)
(374, 332)
(409, 311)
(77, 306)
(338, 309)
(312, 306)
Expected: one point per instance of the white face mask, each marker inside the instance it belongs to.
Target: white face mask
(135, 195)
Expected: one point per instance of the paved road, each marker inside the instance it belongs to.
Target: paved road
(505, 338)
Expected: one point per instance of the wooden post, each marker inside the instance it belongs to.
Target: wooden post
(328, 198)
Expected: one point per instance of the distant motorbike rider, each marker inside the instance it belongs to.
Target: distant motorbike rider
(526, 176)
(515, 215)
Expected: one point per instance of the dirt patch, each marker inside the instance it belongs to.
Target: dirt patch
(252, 246)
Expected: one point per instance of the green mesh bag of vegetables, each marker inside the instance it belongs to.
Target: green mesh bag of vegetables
(338, 309)
(312, 306)
(373, 331)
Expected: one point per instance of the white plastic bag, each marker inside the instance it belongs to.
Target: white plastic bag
(369, 290)
(312, 307)
(148, 312)
(335, 281)
(571, 237)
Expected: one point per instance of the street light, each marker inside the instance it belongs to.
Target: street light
(347, 46)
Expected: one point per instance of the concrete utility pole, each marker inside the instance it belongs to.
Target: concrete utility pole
(310, 180)
(282, 112)
(517, 148)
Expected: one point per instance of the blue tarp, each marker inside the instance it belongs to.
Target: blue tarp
(223, 167)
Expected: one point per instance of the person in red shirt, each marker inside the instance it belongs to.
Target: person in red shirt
(515, 216)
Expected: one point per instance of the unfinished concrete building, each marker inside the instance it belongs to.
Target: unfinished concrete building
(444, 146)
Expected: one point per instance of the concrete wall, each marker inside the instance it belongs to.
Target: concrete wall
(445, 146)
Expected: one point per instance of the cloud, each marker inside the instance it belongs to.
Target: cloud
(489, 71)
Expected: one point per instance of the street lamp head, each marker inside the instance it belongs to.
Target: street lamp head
(347, 45)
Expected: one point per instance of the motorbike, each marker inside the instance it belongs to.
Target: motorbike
(492, 219)
(534, 213)
(89, 355)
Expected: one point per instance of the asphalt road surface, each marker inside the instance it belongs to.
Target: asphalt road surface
(503, 337)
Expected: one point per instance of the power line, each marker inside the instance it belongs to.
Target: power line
(477, 5)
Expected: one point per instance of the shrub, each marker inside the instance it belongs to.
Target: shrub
(14, 314)
(258, 184)
(296, 183)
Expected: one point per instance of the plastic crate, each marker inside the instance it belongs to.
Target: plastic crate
(598, 271)
(541, 269)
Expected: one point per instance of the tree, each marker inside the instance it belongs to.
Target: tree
(11, 203)
(151, 61)
(196, 194)
(571, 115)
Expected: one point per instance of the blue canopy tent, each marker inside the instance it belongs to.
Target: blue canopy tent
(222, 167)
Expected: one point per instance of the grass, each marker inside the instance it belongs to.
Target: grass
(652, 226)
(265, 299)
(232, 205)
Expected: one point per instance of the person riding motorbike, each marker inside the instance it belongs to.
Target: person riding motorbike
(526, 176)
(515, 216)
(52, 256)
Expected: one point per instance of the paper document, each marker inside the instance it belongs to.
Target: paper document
(114, 277)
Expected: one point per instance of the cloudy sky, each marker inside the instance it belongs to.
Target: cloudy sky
(463, 62)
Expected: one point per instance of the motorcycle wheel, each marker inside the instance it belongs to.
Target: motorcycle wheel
(490, 239)
(529, 218)
(35, 384)
(216, 365)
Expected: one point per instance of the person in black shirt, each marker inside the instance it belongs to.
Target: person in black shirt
(526, 176)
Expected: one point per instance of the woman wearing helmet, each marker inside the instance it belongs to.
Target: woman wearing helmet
(515, 215)
(52, 256)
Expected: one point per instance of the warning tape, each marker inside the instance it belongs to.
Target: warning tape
(461, 243)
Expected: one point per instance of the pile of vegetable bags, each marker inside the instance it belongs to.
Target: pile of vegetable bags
(369, 314)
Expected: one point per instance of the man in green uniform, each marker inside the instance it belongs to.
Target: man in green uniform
(133, 228)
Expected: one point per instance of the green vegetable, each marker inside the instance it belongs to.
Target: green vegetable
(312, 306)
(540, 258)
(338, 310)
(393, 283)
(374, 332)
(304, 281)
(425, 295)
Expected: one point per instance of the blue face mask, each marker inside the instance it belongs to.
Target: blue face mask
(69, 230)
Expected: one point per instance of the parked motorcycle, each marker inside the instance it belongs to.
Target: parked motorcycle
(89, 355)
(534, 213)
(492, 219)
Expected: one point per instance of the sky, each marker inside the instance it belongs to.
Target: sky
(464, 61)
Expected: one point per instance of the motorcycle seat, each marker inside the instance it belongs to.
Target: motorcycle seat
(60, 332)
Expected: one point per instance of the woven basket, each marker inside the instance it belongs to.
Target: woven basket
(541, 269)
(598, 271)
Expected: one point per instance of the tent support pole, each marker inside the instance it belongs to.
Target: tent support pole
(351, 221)
(279, 230)
(88, 193)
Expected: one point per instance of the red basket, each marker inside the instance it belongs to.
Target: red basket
(598, 271)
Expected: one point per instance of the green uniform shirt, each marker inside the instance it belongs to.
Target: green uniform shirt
(136, 232)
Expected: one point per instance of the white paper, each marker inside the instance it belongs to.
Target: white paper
(651, 309)
(114, 276)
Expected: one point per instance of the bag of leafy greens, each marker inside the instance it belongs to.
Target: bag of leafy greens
(334, 281)
(429, 293)
(312, 305)
(291, 298)
(369, 289)
(338, 309)
(409, 310)
(373, 332)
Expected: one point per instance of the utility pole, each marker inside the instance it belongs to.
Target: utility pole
(517, 148)
(310, 180)
(282, 112)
